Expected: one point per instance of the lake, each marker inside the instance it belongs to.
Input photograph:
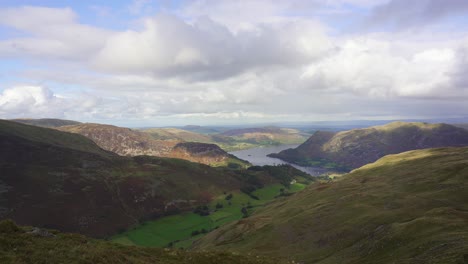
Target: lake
(258, 156)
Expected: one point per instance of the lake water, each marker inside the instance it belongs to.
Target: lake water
(258, 156)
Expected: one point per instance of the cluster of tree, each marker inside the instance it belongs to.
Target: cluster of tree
(201, 231)
(202, 210)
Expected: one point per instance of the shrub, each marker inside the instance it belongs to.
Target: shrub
(8, 226)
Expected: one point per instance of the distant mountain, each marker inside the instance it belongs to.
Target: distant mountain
(64, 181)
(267, 133)
(203, 129)
(33, 245)
(354, 148)
(465, 126)
(233, 139)
(177, 134)
(405, 208)
(47, 122)
(152, 142)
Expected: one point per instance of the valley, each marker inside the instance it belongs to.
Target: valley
(102, 192)
(253, 203)
(234, 132)
(180, 231)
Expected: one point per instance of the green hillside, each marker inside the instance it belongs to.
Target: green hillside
(406, 208)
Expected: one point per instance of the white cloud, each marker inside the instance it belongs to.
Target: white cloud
(372, 68)
(26, 100)
(50, 33)
(168, 46)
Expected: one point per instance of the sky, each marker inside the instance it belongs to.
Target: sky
(219, 62)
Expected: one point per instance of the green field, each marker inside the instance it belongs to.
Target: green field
(177, 230)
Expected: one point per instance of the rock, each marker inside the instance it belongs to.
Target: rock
(40, 232)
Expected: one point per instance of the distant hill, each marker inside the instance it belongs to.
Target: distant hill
(354, 148)
(47, 122)
(32, 245)
(152, 142)
(465, 126)
(203, 129)
(268, 134)
(65, 181)
(177, 134)
(234, 139)
(405, 208)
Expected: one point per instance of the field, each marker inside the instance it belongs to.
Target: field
(180, 231)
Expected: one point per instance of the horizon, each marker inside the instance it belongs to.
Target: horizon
(222, 63)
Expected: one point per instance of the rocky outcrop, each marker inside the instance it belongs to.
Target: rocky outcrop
(200, 152)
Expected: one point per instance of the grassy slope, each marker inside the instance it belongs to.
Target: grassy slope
(178, 229)
(405, 208)
(19, 246)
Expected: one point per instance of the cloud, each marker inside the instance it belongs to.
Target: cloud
(26, 100)
(168, 46)
(403, 14)
(49, 33)
(371, 67)
(215, 61)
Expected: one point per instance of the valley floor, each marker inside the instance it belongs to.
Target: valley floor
(179, 231)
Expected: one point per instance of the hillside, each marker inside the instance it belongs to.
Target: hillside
(65, 181)
(123, 141)
(32, 245)
(164, 143)
(405, 208)
(354, 148)
(46, 122)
